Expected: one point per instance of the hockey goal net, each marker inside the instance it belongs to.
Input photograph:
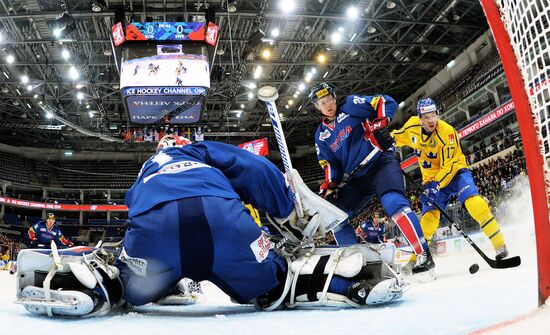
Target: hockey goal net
(521, 29)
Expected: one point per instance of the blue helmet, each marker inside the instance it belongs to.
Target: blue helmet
(426, 106)
(319, 91)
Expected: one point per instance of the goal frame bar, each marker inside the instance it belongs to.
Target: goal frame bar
(532, 144)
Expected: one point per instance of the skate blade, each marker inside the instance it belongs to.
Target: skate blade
(61, 303)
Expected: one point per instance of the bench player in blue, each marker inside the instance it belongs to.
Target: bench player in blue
(353, 139)
(187, 219)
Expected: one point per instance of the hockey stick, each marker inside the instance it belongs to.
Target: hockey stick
(494, 263)
(269, 94)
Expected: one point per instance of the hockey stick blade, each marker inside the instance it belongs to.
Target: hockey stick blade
(505, 263)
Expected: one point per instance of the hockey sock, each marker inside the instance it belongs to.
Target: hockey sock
(410, 227)
(429, 223)
(479, 210)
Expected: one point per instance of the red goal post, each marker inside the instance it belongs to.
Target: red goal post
(521, 29)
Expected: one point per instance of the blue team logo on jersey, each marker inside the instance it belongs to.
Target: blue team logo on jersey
(417, 152)
(413, 140)
(432, 155)
(426, 165)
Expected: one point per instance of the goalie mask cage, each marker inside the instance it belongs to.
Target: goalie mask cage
(521, 29)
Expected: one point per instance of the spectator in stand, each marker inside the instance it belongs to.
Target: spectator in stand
(42, 233)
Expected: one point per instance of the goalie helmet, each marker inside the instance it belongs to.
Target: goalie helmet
(169, 141)
(319, 91)
(426, 106)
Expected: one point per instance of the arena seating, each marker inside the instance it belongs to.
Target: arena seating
(14, 168)
(98, 174)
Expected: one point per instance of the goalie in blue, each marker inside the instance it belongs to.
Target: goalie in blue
(187, 220)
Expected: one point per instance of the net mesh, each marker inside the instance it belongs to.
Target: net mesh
(528, 25)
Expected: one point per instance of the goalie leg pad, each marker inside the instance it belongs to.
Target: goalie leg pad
(309, 276)
(66, 283)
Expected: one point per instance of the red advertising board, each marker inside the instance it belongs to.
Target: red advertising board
(258, 147)
(487, 119)
(62, 207)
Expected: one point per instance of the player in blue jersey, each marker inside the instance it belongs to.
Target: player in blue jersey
(353, 140)
(43, 232)
(371, 231)
(187, 219)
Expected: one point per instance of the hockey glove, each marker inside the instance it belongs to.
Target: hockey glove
(327, 189)
(378, 134)
(429, 195)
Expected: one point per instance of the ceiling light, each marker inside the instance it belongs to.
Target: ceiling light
(10, 59)
(6, 75)
(290, 102)
(65, 54)
(295, 95)
(24, 79)
(322, 58)
(98, 5)
(57, 32)
(258, 72)
(250, 95)
(325, 75)
(287, 106)
(36, 96)
(231, 6)
(313, 70)
(220, 52)
(352, 12)
(275, 32)
(49, 115)
(390, 4)
(353, 52)
(87, 106)
(80, 95)
(353, 37)
(251, 86)
(371, 29)
(301, 87)
(287, 6)
(451, 64)
(91, 114)
(73, 73)
(29, 87)
(266, 54)
(242, 106)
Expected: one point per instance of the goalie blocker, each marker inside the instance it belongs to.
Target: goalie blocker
(80, 282)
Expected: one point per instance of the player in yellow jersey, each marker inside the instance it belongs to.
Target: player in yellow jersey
(444, 173)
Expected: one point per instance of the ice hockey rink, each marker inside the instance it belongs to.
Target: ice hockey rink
(490, 301)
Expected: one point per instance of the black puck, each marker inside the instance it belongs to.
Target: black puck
(473, 268)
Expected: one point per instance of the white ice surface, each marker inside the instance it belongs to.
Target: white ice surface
(456, 303)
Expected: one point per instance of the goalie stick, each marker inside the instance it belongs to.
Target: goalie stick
(494, 263)
(269, 94)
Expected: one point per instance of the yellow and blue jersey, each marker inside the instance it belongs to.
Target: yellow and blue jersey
(439, 154)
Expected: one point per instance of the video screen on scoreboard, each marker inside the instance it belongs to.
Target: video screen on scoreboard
(152, 64)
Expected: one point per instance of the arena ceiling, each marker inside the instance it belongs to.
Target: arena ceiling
(391, 46)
